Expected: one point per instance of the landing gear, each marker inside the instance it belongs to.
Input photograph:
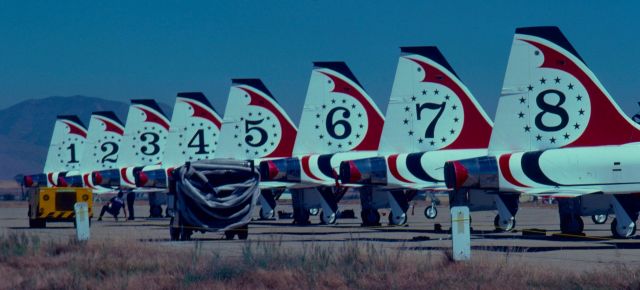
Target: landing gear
(624, 232)
(398, 220)
(431, 212)
(504, 225)
(267, 214)
(599, 219)
(370, 217)
(327, 220)
(571, 224)
(155, 211)
(300, 216)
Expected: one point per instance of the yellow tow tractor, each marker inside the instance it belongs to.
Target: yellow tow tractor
(56, 204)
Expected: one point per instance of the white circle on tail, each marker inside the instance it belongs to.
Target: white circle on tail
(341, 122)
(436, 115)
(259, 132)
(555, 109)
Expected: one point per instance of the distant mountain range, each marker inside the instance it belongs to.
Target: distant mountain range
(27, 127)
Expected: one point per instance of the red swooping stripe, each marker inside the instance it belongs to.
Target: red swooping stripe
(75, 129)
(87, 183)
(371, 139)
(123, 174)
(199, 111)
(111, 127)
(306, 168)
(506, 171)
(154, 118)
(393, 167)
(50, 178)
(476, 131)
(607, 126)
(285, 147)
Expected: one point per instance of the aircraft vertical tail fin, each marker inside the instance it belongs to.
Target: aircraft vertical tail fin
(145, 134)
(430, 108)
(67, 144)
(551, 99)
(195, 127)
(338, 114)
(255, 125)
(103, 141)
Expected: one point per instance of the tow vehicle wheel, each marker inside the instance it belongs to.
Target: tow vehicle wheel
(571, 224)
(628, 233)
(266, 215)
(37, 224)
(370, 217)
(314, 211)
(399, 220)
(504, 226)
(599, 219)
(327, 221)
(430, 212)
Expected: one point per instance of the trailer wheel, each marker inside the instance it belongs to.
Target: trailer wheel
(243, 232)
(174, 231)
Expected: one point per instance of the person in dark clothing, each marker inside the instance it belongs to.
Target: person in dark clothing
(131, 198)
(113, 207)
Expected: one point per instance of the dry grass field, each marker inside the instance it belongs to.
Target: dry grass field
(26, 262)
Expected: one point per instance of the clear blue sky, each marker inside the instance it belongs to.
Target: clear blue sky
(124, 49)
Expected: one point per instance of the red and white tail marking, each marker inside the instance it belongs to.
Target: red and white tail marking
(551, 99)
(430, 108)
(67, 145)
(255, 126)
(338, 114)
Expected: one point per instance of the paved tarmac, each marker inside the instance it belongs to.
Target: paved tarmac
(596, 250)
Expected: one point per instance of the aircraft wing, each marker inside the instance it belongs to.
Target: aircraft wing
(562, 193)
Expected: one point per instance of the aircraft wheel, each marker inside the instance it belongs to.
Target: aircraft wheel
(301, 217)
(314, 211)
(155, 211)
(571, 224)
(266, 215)
(430, 212)
(228, 235)
(599, 219)
(327, 221)
(504, 226)
(370, 217)
(626, 234)
(399, 220)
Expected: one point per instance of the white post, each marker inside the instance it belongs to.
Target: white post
(82, 220)
(460, 233)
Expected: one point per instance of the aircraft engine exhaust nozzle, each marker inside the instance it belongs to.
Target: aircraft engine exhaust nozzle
(476, 173)
(70, 181)
(283, 170)
(367, 171)
(35, 180)
(156, 178)
(106, 178)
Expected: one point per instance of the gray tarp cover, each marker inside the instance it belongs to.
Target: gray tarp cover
(216, 195)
